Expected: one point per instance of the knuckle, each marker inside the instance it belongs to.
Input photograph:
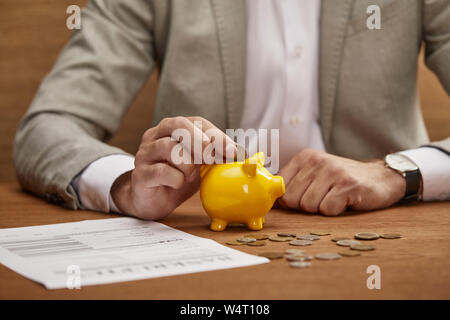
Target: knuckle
(329, 208)
(356, 200)
(305, 153)
(168, 124)
(178, 122)
(359, 190)
(196, 118)
(340, 171)
(352, 180)
(316, 159)
(306, 205)
(325, 209)
(289, 201)
(345, 180)
(333, 170)
(147, 134)
(139, 157)
(164, 123)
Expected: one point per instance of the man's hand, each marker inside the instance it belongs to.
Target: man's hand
(320, 182)
(157, 185)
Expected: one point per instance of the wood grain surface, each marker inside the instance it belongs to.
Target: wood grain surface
(414, 267)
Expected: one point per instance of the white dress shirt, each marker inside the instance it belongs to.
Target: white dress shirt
(282, 75)
(281, 93)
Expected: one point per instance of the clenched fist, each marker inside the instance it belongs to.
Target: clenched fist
(159, 182)
(320, 182)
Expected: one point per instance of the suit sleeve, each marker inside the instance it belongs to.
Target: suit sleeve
(436, 33)
(81, 102)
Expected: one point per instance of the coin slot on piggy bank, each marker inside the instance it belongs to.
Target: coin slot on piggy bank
(239, 192)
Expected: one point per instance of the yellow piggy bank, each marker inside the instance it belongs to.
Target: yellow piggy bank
(239, 192)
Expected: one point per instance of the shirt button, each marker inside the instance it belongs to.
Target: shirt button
(298, 52)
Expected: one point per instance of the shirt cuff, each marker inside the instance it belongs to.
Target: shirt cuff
(434, 166)
(93, 184)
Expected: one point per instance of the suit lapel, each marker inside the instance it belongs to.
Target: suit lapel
(334, 18)
(231, 22)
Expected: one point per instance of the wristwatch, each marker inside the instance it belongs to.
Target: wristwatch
(409, 170)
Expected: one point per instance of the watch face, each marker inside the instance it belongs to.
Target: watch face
(400, 163)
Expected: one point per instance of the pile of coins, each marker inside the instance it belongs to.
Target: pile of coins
(298, 258)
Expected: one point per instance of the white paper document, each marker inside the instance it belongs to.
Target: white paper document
(111, 250)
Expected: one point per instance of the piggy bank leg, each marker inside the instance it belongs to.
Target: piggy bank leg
(256, 223)
(218, 224)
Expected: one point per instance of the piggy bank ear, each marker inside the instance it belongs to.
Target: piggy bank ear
(249, 169)
(257, 158)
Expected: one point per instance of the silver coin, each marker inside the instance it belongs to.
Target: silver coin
(310, 237)
(286, 234)
(350, 253)
(246, 240)
(367, 236)
(280, 239)
(347, 243)
(299, 257)
(391, 236)
(301, 243)
(300, 264)
(295, 251)
(328, 256)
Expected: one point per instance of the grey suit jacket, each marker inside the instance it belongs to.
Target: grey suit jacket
(368, 96)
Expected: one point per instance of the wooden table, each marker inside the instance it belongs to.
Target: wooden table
(414, 267)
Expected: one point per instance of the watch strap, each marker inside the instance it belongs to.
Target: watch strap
(412, 179)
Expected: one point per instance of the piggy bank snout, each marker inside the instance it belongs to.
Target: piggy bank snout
(277, 187)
